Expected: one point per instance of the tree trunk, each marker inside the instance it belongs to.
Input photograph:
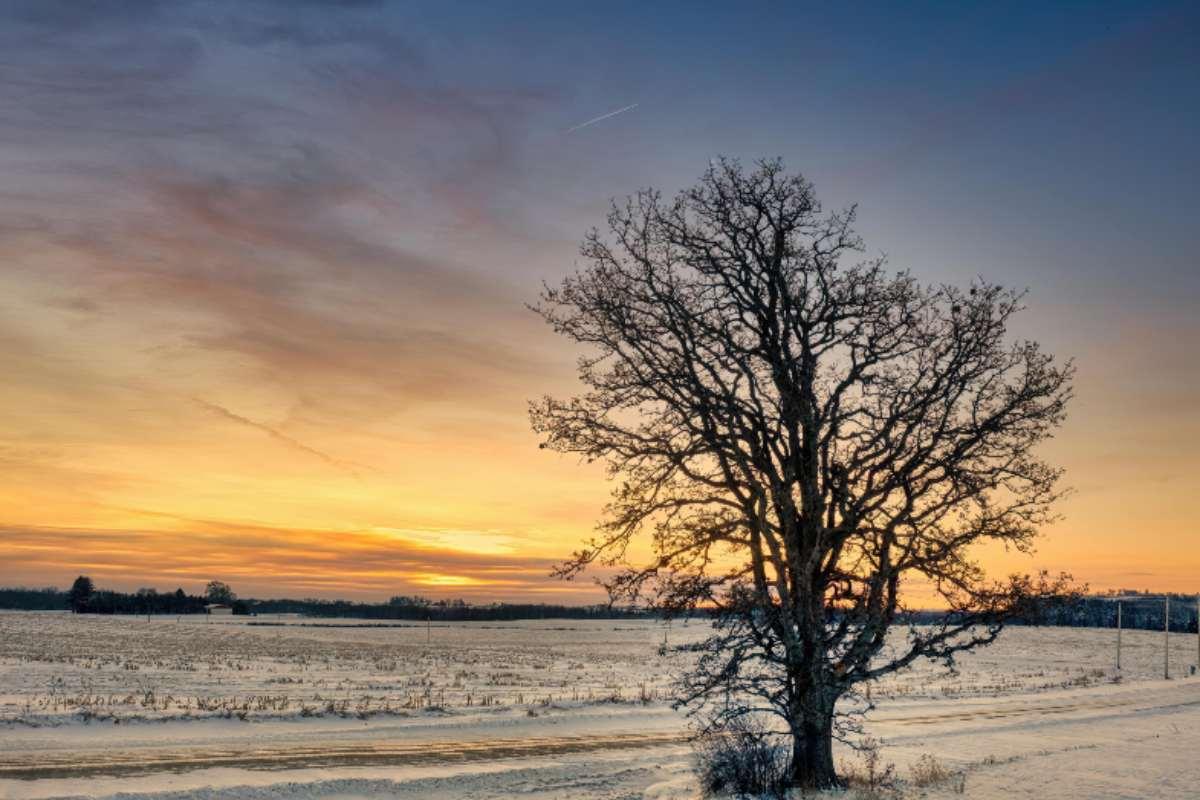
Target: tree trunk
(812, 742)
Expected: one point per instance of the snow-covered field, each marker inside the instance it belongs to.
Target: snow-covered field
(287, 707)
(58, 668)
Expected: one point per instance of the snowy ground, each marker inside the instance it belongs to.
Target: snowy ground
(191, 708)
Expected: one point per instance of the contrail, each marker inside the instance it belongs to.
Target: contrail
(278, 436)
(602, 117)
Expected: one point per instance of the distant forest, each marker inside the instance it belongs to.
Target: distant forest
(83, 598)
(1138, 609)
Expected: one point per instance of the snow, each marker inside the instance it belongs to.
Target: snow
(188, 709)
(63, 668)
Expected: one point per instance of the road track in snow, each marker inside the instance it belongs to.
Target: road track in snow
(143, 761)
(400, 752)
(1134, 700)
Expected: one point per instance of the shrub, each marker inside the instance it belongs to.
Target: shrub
(928, 771)
(871, 779)
(742, 757)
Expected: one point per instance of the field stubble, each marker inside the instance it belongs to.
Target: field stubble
(61, 668)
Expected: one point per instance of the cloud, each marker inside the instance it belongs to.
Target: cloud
(283, 266)
(237, 86)
(235, 232)
(361, 564)
(466, 541)
(297, 192)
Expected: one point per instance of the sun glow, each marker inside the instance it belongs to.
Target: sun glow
(463, 541)
(436, 579)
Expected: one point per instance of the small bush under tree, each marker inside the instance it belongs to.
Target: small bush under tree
(743, 757)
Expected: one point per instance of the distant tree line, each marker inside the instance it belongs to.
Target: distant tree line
(34, 599)
(1139, 610)
(84, 597)
(1142, 610)
(102, 601)
(143, 601)
(422, 609)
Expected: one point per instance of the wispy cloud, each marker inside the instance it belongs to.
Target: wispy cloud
(489, 542)
(274, 561)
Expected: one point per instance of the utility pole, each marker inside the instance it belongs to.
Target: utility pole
(1167, 637)
(1118, 636)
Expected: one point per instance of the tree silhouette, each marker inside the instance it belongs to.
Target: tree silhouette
(800, 439)
(81, 593)
(219, 592)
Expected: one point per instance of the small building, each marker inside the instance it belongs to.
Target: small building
(218, 608)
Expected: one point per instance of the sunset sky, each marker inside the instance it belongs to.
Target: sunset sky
(263, 265)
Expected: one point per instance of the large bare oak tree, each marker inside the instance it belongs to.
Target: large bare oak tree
(800, 439)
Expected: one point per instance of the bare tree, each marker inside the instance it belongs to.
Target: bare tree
(801, 440)
(220, 593)
(81, 593)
